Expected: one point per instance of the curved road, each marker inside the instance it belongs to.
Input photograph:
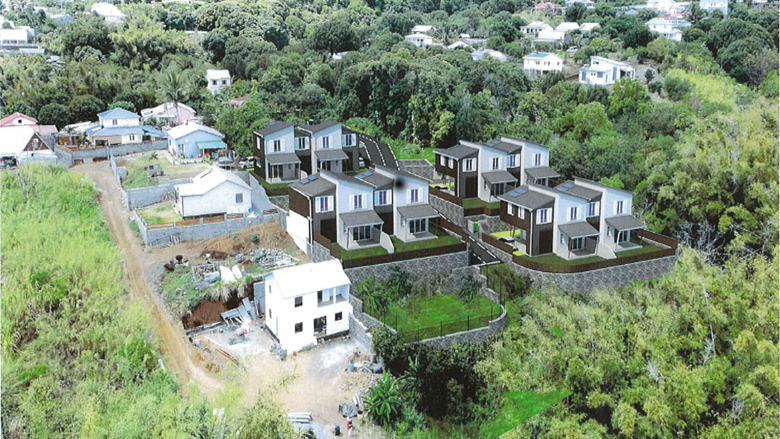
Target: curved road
(379, 152)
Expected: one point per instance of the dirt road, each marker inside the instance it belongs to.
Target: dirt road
(178, 353)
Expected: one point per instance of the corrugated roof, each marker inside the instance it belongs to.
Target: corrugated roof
(571, 188)
(313, 187)
(319, 127)
(208, 180)
(541, 172)
(118, 113)
(190, 127)
(500, 176)
(345, 178)
(506, 147)
(417, 211)
(375, 179)
(282, 158)
(331, 154)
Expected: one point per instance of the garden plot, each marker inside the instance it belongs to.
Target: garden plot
(138, 177)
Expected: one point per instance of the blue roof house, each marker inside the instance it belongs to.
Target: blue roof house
(120, 127)
(192, 140)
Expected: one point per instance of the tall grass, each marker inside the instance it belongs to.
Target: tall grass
(78, 356)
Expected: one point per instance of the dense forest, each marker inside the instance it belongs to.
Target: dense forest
(693, 354)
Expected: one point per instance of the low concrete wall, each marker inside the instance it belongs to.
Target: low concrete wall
(116, 151)
(63, 156)
(419, 167)
(197, 232)
(146, 196)
(589, 281)
(369, 322)
(361, 334)
(415, 267)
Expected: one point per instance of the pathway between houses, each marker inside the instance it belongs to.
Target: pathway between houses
(178, 353)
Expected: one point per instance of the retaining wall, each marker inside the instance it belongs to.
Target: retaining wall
(474, 336)
(451, 211)
(361, 334)
(589, 281)
(318, 252)
(146, 196)
(197, 232)
(415, 267)
(103, 152)
(419, 167)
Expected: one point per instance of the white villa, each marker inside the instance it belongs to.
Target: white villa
(108, 11)
(567, 26)
(605, 71)
(168, 113)
(534, 27)
(419, 39)
(423, 29)
(549, 36)
(213, 191)
(120, 127)
(479, 55)
(306, 303)
(217, 80)
(539, 63)
(712, 5)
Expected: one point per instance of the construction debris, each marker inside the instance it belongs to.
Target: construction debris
(300, 418)
(348, 410)
(279, 351)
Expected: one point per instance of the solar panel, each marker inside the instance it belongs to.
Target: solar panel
(312, 177)
(304, 181)
(494, 142)
(514, 193)
(522, 191)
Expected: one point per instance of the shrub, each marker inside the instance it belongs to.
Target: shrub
(384, 404)
(255, 238)
(676, 88)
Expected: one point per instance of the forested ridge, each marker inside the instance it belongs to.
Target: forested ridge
(693, 354)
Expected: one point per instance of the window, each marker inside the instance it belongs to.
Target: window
(326, 142)
(357, 202)
(543, 216)
(624, 236)
(509, 209)
(537, 160)
(338, 317)
(214, 82)
(323, 204)
(443, 160)
(361, 233)
(224, 82)
(270, 314)
(382, 198)
(451, 163)
(132, 138)
(573, 213)
(577, 243)
(414, 196)
(521, 213)
(276, 145)
(298, 301)
(511, 161)
(239, 198)
(468, 165)
(298, 327)
(114, 121)
(301, 143)
(418, 225)
(619, 206)
(600, 74)
(592, 209)
(495, 163)
(562, 240)
(348, 139)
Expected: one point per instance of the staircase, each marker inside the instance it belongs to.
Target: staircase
(386, 242)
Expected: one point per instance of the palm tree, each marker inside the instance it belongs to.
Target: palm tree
(174, 88)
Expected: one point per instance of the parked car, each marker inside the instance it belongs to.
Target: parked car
(247, 162)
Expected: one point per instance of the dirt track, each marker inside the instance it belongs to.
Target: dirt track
(177, 351)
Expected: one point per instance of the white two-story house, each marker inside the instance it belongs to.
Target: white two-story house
(605, 71)
(670, 29)
(217, 80)
(307, 303)
(711, 6)
(540, 63)
(276, 160)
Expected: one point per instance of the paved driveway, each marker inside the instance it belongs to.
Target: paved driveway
(378, 151)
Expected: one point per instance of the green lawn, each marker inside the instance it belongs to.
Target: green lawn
(402, 153)
(419, 311)
(360, 253)
(273, 186)
(160, 214)
(507, 233)
(476, 202)
(646, 248)
(557, 260)
(401, 246)
(518, 407)
(136, 176)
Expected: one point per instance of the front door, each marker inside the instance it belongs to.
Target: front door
(320, 325)
(545, 242)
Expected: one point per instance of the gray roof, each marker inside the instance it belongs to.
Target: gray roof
(569, 187)
(541, 172)
(282, 158)
(458, 151)
(375, 179)
(319, 127)
(417, 211)
(314, 187)
(578, 229)
(301, 133)
(361, 218)
(528, 198)
(273, 127)
(625, 222)
(331, 154)
(595, 183)
(494, 177)
(400, 173)
(507, 147)
(345, 178)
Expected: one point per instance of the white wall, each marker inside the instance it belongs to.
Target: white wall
(562, 205)
(527, 159)
(221, 199)
(344, 193)
(287, 136)
(298, 227)
(401, 197)
(126, 122)
(485, 159)
(333, 132)
(188, 145)
(609, 199)
(282, 315)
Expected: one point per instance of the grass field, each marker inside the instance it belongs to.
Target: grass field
(646, 248)
(160, 214)
(476, 202)
(136, 176)
(440, 241)
(507, 233)
(518, 407)
(430, 311)
(360, 253)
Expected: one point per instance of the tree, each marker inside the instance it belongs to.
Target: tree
(265, 420)
(677, 87)
(748, 60)
(214, 43)
(628, 97)
(90, 32)
(576, 12)
(174, 89)
(84, 108)
(333, 36)
(53, 114)
(637, 35)
(125, 105)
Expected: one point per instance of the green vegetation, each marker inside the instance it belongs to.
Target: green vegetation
(77, 352)
(273, 186)
(428, 311)
(160, 214)
(439, 241)
(359, 252)
(136, 175)
(552, 259)
(472, 203)
(517, 407)
(645, 248)
(508, 233)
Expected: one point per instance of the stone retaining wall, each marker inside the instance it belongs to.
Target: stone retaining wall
(415, 267)
(146, 196)
(318, 252)
(474, 336)
(589, 281)
(419, 167)
(197, 232)
(361, 334)
(452, 212)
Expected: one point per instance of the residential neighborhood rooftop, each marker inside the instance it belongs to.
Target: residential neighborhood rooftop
(309, 278)
(526, 197)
